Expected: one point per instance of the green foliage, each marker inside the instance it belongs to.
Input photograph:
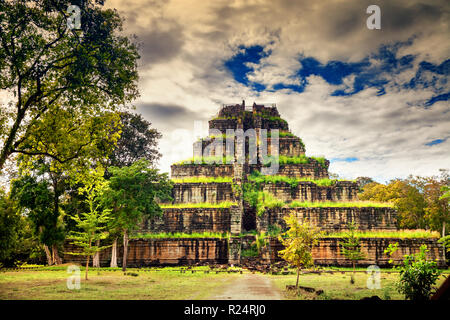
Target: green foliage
(402, 234)
(298, 241)
(10, 225)
(417, 276)
(392, 247)
(63, 81)
(134, 192)
(298, 160)
(259, 178)
(326, 204)
(420, 201)
(204, 180)
(137, 141)
(351, 248)
(36, 200)
(92, 224)
(223, 204)
(216, 160)
(445, 242)
(177, 235)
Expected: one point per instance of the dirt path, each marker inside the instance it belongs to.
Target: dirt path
(249, 287)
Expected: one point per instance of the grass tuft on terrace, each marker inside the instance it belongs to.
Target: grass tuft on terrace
(402, 234)
(180, 235)
(223, 204)
(349, 204)
(204, 180)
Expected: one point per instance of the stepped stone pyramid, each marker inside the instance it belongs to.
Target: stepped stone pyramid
(195, 183)
(229, 188)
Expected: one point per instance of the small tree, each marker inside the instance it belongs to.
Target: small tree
(417, 276)
(133, 194)
(351, 248)
(298, 241)
(92, 223)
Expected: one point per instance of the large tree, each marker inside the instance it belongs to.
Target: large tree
(133, 194)
(51, 72)
(35, 198)
(138, 140)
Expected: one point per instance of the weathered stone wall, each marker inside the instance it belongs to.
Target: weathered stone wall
(287, 146)
(151, 252)
(201, 170)
(312, 170)
(309, 191)
(333, 219)
(202, 192)
(188, 220)
(328, 251)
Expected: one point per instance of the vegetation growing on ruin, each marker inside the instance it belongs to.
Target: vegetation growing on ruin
(206, 160)
(352, 204)
(403, 234)
(258, 178)
(204, 180)
(302, 159)
(224, 204)
(177, 235)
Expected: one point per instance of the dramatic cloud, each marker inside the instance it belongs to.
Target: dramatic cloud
(374, 102)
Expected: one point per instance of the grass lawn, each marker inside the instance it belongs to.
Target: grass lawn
(161, 284)
(338, 286)
(171, 284)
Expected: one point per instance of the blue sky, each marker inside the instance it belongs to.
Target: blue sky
(374, 102)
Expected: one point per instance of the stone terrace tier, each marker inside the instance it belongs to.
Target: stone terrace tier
(197, 192)
(214, 192)
(312, 170)
(237, 117)
(287, 146)
(333, 218)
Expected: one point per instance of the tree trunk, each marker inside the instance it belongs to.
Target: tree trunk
(125, 250)
(443, 234)
(96, 259)
(56, 258)
(353, 275)
(48, 255)
(298, 275)
(87, 267)
(114, 254)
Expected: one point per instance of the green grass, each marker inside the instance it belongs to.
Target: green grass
(206, 160)
(337, 286)
(258, 178)
(151, 284)
(204, 180)
(179, 235)
(298, 160)
(417, 233)
(326, 204)
(223, 204)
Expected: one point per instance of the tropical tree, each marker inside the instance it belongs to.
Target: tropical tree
(298, 241)
(351, 248)
(93, 223)
(35, 199)
(50, 72)
(134, 192)
(138, 140)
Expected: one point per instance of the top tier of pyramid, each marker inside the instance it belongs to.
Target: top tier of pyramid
(239, 118)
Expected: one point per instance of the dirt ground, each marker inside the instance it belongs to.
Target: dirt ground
(250, 287)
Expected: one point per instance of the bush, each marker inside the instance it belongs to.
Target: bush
(417, 276)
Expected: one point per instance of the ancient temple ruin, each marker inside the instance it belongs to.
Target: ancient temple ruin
(215, 193)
